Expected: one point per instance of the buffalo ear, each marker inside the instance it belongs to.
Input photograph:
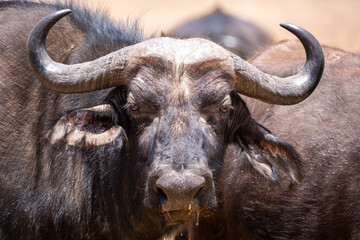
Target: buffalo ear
(269, 155)
(87, 127)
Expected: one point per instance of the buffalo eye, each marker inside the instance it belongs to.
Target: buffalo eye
(134, 107)
(224, 108)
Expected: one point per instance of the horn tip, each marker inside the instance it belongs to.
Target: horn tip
(289, 26)
(64, 12)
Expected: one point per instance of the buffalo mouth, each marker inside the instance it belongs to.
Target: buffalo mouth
(177, 217)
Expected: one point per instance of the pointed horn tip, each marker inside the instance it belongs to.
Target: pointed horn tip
(56, 16)
(290, 26)
(63, 12)
(43, 26)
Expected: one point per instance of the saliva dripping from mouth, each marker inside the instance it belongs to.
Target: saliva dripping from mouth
(197, 215)
(197, 218)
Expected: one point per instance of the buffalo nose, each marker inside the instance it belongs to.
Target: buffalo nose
(179, 189)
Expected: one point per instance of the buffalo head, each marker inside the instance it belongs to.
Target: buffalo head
(176, 103)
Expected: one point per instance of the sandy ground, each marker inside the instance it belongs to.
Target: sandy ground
(333, 22)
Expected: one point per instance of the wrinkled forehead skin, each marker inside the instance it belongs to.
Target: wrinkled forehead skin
(187, 61)
(183, 51)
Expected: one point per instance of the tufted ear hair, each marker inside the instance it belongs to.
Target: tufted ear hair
(269, 155)
(87, 127)
(266, 153)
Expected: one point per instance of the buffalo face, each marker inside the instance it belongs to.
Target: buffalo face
(178, 116)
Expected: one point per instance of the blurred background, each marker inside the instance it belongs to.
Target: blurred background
(333, 22)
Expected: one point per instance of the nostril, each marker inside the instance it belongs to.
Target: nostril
(162, 195)
(198, 192)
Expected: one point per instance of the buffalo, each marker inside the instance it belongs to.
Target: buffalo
(237, 35)
(106, 134)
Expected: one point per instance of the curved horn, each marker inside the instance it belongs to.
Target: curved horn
(285, 91)
(104, 72)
